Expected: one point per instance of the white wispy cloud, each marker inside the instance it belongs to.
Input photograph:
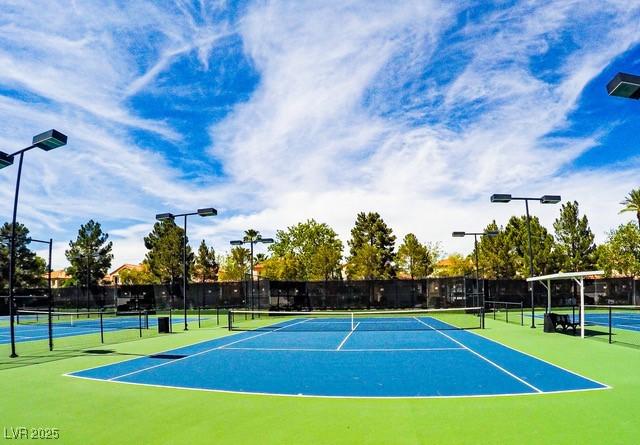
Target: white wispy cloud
(417, 110)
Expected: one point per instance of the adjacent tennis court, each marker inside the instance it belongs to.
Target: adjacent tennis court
(427, 353)
(34, 325)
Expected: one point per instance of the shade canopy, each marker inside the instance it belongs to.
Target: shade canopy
(578, 277)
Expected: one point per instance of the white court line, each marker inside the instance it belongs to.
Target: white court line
(347, 350)
(202, 352)
(347, 337)
(481, 356)
(317, 396)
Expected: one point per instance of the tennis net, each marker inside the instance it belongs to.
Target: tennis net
(95, 319)
(327, 321)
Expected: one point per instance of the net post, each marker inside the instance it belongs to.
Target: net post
(506, 309)
(50, 325)
(101, 329)
(140, 322)
(199, 325)
(217, 316)
(521, 313)
(609, 324)
(230, 320)
(352, 328)
(481, 317)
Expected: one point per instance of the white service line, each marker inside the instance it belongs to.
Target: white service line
(347, 337)
(168, 362)
(481, 356)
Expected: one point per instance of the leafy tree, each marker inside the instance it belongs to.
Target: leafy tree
(545, 253)
(235, 265)
(30, 269)
(365, 263)
(141, 275)
(620, 254)
(281, 267)
(414, 258)
(455, 265)
(632, 203)
(307, 251)
(574, 239)
(370, 230)
(206, 267)
(164, 255)
(496, 254)
(90, 254)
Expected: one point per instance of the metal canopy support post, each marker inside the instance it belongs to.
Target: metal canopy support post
(548, 295)
(581, 307)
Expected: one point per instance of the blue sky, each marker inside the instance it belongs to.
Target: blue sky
(275, 112)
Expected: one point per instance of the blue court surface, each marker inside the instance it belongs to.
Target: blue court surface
(67, 328)
(424, 357)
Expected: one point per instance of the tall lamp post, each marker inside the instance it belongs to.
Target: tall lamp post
(46, 141)
(209, 211)
(545, 199)
(252, 241)
(490, 233)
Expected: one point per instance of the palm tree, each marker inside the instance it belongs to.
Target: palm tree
(251, 235)
(632, 203)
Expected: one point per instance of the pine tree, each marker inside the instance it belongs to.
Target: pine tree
(206, 267)
(371, 231)
(30, 269)
(574, 239)
(90, 254)
(164, 255)
(414, 258)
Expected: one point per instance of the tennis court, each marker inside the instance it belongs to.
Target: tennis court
(371, 355)
(33, 325)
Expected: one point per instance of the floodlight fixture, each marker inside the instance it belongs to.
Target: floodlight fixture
(267, 240)
(164, 216)
(458, 234)
(500, 197)
(624, 85)
(49, 140)
(550, 199)
(5, 159)
(491, 233)
(237, 243)
(209, 211)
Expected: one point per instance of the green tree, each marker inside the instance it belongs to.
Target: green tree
(620, 254)
(545, 253)
(236, 265)
(206, 266)
(164, 256)
(414, 258)
(90, 254)
(631, 203)
(455, 265)
(30, 269)
(365, 263)
(370, 230)
(307, 251)
(496, 254)
(574, 239)
(140, 275)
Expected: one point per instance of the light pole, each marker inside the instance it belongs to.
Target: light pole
(209, 211)
(252, 241)
(46, 141)
(545, 199)
(624, 85)
(490, 233)
(86, 256)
